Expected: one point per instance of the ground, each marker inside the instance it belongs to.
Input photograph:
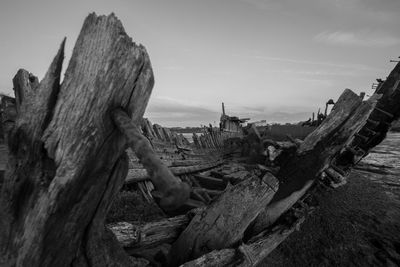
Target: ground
(130, 205)
(355, 225)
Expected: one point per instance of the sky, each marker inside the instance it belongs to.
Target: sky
(278, 60)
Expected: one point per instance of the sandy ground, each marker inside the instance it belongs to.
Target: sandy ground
(355, 225)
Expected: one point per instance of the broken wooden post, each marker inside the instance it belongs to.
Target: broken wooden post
(148, 129)
(179, 141)
(167, 134)
(67, 159)
(196, 140)
(159, 132)
(25, 84)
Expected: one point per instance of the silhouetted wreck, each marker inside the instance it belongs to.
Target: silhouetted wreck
(231, 123)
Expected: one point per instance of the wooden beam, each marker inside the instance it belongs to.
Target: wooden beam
(315, 154)
(223, 223)
(173, 192)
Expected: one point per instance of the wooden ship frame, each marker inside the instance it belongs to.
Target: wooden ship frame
(230, 198)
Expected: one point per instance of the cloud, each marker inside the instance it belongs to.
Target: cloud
(372, 10)
(172, 68)
(283, 117)
(363, 38)
(358, 67)
(320, 82)
(173, 112)
(263, 4)
(316, 73)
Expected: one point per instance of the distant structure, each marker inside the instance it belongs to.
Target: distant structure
(259, 123)
(230, 124)
(378, 85)
(320, 116)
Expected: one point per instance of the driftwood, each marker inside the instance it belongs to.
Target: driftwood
(138, 175)
(224, 222)
(66, 158)
(247, 255)
(25, 85)
(172, 192)
(210, 182)
(135, 236)
(147, 128)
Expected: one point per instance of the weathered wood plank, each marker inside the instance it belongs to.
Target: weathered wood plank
(210, 182)
(138, 175)
(246, 255)
(223, 223)
(135, 236)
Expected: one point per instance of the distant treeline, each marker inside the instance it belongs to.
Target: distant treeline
(279, 132)
(189, 129)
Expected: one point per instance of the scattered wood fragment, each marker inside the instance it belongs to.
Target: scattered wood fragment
(210, 182)
(247, 255)
(138, 175)
(223, 223)
(135, 236)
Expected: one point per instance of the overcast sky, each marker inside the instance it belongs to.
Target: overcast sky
(266, 59)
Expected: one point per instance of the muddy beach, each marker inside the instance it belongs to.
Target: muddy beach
(357, 224)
